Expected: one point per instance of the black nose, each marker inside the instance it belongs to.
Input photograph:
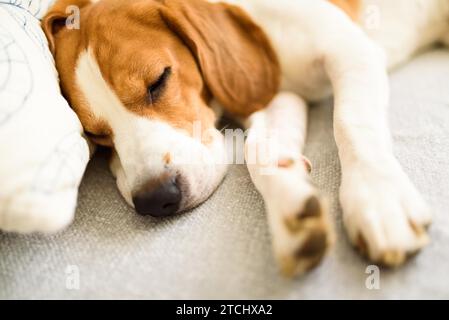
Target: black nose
(160, 201)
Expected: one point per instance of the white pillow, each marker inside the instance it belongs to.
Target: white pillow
(37, 8)
(43, 154)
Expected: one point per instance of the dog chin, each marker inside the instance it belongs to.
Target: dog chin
(201, 177)
(197, 190)
(200, 168)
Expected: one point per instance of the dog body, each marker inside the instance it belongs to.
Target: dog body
(321, 52)
(141, 75)
(302, 32)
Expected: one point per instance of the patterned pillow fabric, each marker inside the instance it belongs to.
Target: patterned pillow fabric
(43, 154)
(36, 8)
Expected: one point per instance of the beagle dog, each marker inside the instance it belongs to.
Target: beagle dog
(146, 77)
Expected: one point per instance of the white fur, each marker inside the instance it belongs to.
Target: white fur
(322, 49)
(142, 143)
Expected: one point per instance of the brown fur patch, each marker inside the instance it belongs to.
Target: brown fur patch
(362, 245)
(210, 48)
(351, 7)
(167, 158)
(286, 163)
(419, 230)
(312, 208)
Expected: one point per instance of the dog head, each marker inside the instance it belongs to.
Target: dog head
(140, 74)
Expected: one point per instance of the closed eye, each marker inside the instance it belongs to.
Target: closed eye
(156, 89)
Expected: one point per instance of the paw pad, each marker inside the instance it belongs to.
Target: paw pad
(311, 210)
(314, 246)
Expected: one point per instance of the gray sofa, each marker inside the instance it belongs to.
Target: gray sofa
(222, 249)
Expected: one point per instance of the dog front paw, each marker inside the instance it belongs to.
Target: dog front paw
(302, 236)
(385, 216)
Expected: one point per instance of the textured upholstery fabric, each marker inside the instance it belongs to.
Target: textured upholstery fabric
(222, 249)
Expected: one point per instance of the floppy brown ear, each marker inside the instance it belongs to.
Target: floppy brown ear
(238, 62)
(57, 17)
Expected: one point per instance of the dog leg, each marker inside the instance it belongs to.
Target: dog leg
(384, 214)
(297, 215)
